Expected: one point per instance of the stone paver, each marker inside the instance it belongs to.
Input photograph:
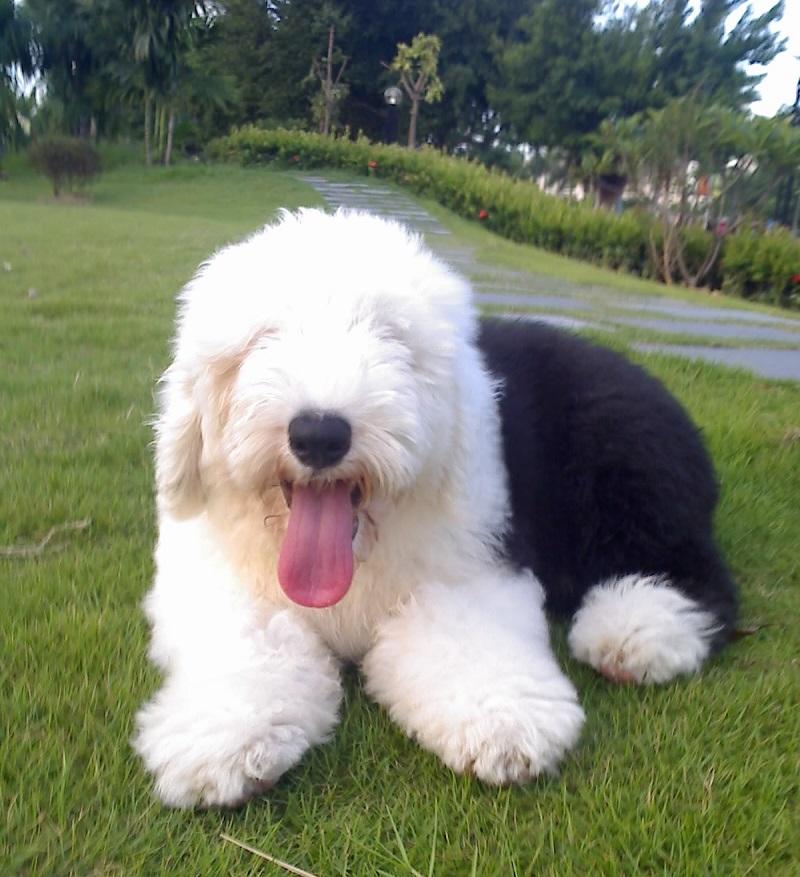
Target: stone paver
(778, 364)
(542, 295)
(520, 299)
(713, 329)
(698, 312)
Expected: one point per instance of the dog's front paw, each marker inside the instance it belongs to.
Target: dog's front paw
(213, 758)
(512, 739)
(468, 672)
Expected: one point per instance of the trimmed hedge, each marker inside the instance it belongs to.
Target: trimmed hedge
(763, 265)
(758, 265)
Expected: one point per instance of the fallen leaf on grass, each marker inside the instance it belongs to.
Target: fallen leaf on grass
(746, 630)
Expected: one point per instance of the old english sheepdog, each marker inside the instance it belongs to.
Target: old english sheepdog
(333, 443)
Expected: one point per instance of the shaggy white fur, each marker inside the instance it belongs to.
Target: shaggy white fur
(467, 670)
(249, 686)
(349, 315)
(640, 629)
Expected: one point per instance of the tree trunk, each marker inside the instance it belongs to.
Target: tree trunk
(170, 137)
(667, 247)
(710, 260)
(654, 256)
(412, 123)
(162, 131)
(148, 123)
(328, 96)
(325, 124)
(156, 132)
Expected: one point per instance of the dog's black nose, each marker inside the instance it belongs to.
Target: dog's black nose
(319, 440)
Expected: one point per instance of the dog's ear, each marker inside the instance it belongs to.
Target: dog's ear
(179, 445)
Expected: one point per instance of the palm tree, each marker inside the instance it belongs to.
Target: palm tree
(161, 35)
(198, 91)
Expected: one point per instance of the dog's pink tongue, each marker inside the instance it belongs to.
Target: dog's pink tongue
(315, 566)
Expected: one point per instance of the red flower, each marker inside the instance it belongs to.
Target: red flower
(483, 214)
(372, 164)
(795, 278)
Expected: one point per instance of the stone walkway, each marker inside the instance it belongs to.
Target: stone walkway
(560, 302)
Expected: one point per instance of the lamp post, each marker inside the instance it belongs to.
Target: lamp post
(392, 97)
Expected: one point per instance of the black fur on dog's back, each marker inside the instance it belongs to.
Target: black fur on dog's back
(608, 475)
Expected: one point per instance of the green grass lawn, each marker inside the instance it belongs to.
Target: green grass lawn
(697, 777)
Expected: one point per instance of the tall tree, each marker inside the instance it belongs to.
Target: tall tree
(329, 71)
(567, 67)
(548, 87)
(72, 56)
(239, 45)
(702, 53)
(300, 31)
(16, 58)
(161, 37)
(417, 64)
(469, 31)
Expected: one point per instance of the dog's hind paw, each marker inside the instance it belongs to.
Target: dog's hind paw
(640, 629)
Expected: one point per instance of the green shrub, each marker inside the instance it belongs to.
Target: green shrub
(68, 162)
(752, 265)
(763, 265)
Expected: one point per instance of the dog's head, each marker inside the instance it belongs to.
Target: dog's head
(320, 359)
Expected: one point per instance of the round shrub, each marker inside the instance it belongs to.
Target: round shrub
(69, 163)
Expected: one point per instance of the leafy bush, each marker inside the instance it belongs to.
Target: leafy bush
(68, 162)
(763, 265)
(753, 265)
